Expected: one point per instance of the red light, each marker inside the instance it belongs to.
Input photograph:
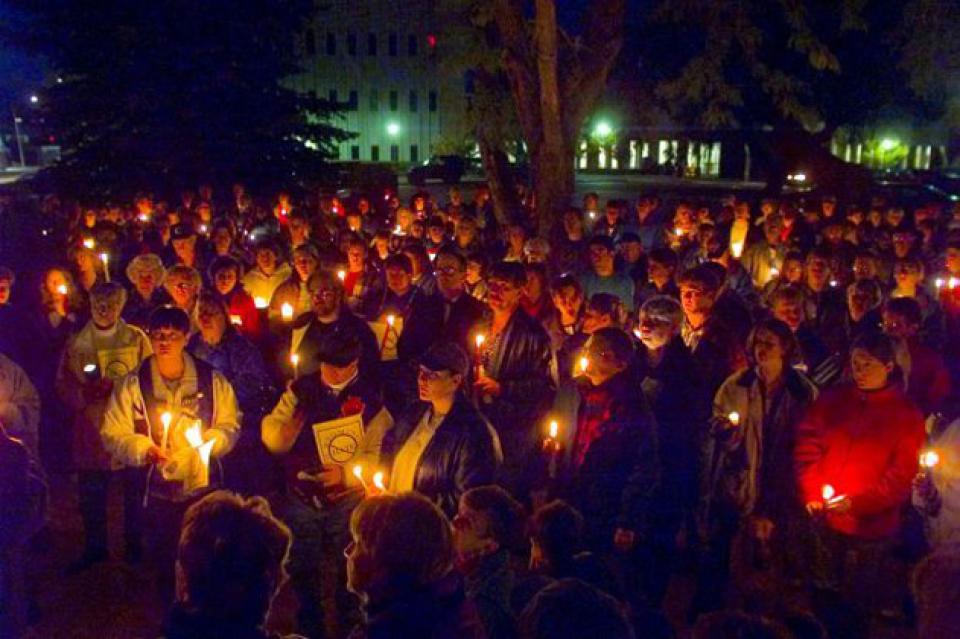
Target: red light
(431, 40)
(52, 139)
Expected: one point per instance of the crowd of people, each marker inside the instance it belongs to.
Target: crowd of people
(438, 421)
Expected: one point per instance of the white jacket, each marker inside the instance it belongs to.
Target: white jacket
(944, 527)
(126, 405)
(19, 405)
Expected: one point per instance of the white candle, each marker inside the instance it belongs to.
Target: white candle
(165, 419)
(260, 302)
(584, 364)
(378, 481)
(89, 243)
(105, 258)
(734, 418)
(342, 275)
(358, 473)
(295, 360)
(828, 492)
(929, 459)
(286, 311)
(62, 289)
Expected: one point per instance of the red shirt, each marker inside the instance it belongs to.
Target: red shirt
(242, 306)
(866, 445)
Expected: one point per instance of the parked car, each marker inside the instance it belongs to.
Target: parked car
(448, 169)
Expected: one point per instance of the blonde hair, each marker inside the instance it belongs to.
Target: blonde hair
(142, 263)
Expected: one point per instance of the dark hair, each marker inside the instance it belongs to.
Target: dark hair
(606, 304)
(451, 253)
(702, 275)
(788, 341)
(573, 609)
(504, 514)
(222, 263)
(877, 344)
(481, 259)
(169, 317)
(788, 293)
(566, 280)
(663, 255)
(512, 272)
(232, 551)
(729, 624)
(557, 528)
(399, 260)
(601, 240)
(616, 341)
(907, 308)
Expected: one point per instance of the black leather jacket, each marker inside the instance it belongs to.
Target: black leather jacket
(463, 453)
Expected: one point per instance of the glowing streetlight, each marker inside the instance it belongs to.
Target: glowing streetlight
(393, 129)
(888, 144)
(34, 99)
(602, 129)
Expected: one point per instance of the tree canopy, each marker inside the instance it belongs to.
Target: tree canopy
(174, 91)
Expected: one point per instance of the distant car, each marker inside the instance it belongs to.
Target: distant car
(448, 169)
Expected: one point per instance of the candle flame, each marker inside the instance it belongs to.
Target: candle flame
(480, 339)
(193, 435)
(734, 418)
(774, 272)
(953, 283)
(554, 429)
(358, 472)
(205, 449)
(678, 231)
(286, 310)
(584, 364)
(828, 492)
(165, 419)
(939, 282)
(89, 368)
(89, 243)
(390, 320)
(104, 257)
(203, 228)
(294, 359)
(341, 275)
(236, 320)
(62, 289)
(378, 481)
(260, 302)
(929, 459)
(833, 283)
(736, 249)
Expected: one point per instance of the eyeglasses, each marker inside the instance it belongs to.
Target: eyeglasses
(447, 270)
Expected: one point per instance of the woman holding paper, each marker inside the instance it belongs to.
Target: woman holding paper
(103, 352)
(325, 425)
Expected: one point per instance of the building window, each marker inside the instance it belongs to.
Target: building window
(374, 153)
(414, 103)
(333, 96)
(432, 99)
(394, 152)
(310, 42)
(412, 45)
(393, 100)
(392, 45)
(331, 43)
(374, 100)
(414, 153)
(352, 44)
(353, 103)
(372, 44)
(354, 152)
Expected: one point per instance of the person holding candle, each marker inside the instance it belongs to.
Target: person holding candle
(169, 380)
(864, 439)
(614, 471)
(317, 500)
(926, 378)
(442, 446)
(936, 487)
(462, 312)
(268, 272)
(603, 276)
(361, 282)
(183, 284)
(113, 349)
(293, 292)
(225, 273)
(517, 388)
(12, 320)
(220, 344)
(763, 259)
(747, 493)
(145, 273)
(185, 248)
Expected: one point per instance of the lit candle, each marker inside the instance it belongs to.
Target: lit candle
(286, 311)
(144, 217)
(194, 436)
(342, 275)
(203, 229)
(774, 272)
(938, 283)
(828, 492)
(584, 364)
(89, 243)
(929, 460)
(736, 250)
(261, 302)
(554, 429)
(295, 360)
(734, 418)
(833, 283)
(165, 419)
(398, 230)
(62, 289)
(391, 319)
(478, 356)
(358, 473)
(678, 231)
(105, 258)
(593, 215)
(379, 481)
(236, 320)
(953, 283)
(552, 446)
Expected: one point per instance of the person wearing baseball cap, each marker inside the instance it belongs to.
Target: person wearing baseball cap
(320, 493)
(442, 446)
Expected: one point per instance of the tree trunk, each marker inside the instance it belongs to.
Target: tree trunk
(499, 179)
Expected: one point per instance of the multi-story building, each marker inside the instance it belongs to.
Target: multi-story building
(379, 60)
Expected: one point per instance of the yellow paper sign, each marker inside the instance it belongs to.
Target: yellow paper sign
(116, 363)
(338, 439)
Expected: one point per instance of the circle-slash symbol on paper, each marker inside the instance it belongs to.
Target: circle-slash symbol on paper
(342, 447)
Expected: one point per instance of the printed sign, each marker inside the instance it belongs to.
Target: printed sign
(338, 439)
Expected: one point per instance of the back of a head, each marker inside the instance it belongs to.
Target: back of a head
(403, 538)
(504, 513)
(572, 609)
(558, 529)
(936, 590)
(231, 557)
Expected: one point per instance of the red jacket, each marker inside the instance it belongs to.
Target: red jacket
(241, 306)
(866, 445)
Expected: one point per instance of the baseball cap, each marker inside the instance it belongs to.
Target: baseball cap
(446, 356)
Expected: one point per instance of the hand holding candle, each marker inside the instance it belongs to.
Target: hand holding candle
(929, 459)
(734, 418)
(295, 362)
(105, 258)
(551, 446)
(286, 311)
(165, 419)
(261, 302)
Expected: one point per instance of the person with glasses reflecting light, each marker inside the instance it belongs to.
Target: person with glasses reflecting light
(514, 387)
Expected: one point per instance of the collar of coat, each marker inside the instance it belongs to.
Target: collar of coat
(792, 381)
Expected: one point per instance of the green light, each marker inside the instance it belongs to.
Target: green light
(393, 129)
(888, 144)
(602, 129)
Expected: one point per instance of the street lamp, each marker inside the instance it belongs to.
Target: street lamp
(34, 99)
(602, 129)
(393, 129)
(886, 144)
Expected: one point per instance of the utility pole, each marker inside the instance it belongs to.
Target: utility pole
(16, 132)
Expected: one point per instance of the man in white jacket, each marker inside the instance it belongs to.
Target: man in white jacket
(166, 415)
